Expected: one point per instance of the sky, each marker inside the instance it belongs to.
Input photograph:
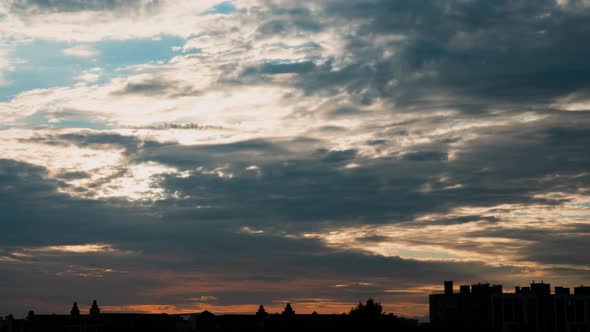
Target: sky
(182, 155)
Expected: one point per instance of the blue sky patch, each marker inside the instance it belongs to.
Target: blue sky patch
(582, 204)
(66, 121)
(224, 8)
(45, 65)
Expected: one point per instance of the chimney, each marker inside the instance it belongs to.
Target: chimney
(448, 287)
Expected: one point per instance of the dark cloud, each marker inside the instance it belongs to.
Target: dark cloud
(549, 246)
(74, 175)
(344, 111)
(278, 19)
(295, 181)
(473, 55)
(304, 187)
(337, 156)
(273, 68)
(426, 156)
(94, 139)
(210, 156)
(149, 245)
(36, 213)
(155, 86)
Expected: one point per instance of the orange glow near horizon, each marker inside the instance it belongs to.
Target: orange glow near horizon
(406, 309)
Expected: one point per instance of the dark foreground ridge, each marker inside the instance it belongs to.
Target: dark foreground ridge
(475, 308)
(367, 316)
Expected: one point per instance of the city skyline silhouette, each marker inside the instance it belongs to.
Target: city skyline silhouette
(481, 307)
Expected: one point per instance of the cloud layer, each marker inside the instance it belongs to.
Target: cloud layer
(267, 151)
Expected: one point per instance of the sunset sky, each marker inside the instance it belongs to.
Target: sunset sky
(183, 155)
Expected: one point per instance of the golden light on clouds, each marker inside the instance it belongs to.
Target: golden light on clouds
(91, 248)
(434, 237)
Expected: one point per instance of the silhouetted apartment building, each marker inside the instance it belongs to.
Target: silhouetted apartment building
(484, 307)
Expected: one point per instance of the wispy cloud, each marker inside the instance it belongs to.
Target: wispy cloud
(91, 75)
(77, 249)
(82, 51)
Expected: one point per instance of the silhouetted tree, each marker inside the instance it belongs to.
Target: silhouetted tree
(207, 314)
(370, 309)
(75, 311)
(261, 313)
(206, 321)
(94, 309)
(288, 310)
(31, 315)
